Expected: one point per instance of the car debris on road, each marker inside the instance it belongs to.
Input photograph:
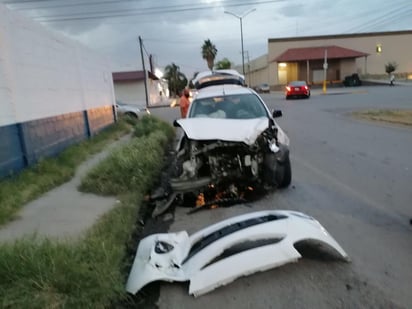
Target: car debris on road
(227, 250)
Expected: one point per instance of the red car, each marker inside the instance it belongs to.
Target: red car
(297, 89)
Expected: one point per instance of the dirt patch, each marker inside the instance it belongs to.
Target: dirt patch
(396, 116)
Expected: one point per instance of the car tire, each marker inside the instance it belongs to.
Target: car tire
(287, 97)
(284, 173)
(131, 115)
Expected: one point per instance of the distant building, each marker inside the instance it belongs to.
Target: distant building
(303, 57)
(129, 87)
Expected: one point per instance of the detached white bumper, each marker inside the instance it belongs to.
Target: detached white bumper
(267, 237)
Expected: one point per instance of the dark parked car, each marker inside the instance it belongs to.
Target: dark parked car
(352, 80)
(297, 89)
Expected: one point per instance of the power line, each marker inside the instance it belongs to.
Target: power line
(142, 11)
(66, 5)
(391, 15)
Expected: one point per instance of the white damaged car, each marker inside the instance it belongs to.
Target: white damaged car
(230, 142)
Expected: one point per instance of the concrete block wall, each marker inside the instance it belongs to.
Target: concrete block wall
(53, 92)
(99, 118)
(11, 152)
(48, 136)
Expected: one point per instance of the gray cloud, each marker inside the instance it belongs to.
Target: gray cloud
(174, 30)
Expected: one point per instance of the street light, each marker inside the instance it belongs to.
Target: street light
(241, 32)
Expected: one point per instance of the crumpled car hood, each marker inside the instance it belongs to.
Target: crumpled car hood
(198, 258)
(230, 130)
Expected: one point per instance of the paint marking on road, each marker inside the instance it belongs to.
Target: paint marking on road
(363, 91)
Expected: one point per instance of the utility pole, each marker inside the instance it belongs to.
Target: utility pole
(248, 68)
(241, 31)
(144, 71)
(325, 69)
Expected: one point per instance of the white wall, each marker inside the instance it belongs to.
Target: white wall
(43, 74)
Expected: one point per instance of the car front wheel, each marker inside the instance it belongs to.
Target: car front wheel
(284, 173)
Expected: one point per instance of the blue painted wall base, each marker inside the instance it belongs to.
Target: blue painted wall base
(23, 144)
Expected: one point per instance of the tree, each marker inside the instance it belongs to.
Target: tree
(209, 52)
(391, 67)
(223, 64)
(177, 80)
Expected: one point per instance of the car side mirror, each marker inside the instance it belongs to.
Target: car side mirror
(175, 123)
(277, 113)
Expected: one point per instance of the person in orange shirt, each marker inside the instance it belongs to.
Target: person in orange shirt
(184, 103)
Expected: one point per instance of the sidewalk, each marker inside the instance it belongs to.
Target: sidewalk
(63, 212)
(386, 82)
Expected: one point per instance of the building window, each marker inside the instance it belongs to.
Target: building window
(378, 48)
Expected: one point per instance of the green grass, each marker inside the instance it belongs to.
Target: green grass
(128, 168)
(85, 274)
(91, 272)
(396, 116)
(49, 173)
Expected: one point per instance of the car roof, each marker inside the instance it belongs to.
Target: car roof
(218, 77)
(222, 90)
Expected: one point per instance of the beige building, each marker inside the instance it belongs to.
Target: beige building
(302, 58)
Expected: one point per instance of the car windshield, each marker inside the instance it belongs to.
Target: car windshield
(244, 106)
(298, 83)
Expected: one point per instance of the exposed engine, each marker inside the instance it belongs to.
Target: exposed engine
(201, 163)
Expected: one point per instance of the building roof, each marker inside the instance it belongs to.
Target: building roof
(318, 53)
(131, 76)
(341, 36)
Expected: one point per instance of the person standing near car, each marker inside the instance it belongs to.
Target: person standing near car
(184, 103)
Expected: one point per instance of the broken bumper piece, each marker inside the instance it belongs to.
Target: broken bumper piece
(224, 251)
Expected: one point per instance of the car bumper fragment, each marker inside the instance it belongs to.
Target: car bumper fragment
(198, 258)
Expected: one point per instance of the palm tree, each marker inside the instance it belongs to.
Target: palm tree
(177, 80)
(209, 52)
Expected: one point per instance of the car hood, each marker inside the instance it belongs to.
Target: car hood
(233, 130)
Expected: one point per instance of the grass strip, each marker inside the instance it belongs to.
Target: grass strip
(17, 190)
(84, 274)
(91, 272)
(128, 168)
(396, 116)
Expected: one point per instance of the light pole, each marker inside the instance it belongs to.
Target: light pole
(241, 32)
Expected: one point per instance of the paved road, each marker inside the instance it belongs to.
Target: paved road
(354, 177)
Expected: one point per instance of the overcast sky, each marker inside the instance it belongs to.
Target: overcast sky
(174, 30)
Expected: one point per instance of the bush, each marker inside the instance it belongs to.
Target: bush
(391, 67)
(149, 124)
